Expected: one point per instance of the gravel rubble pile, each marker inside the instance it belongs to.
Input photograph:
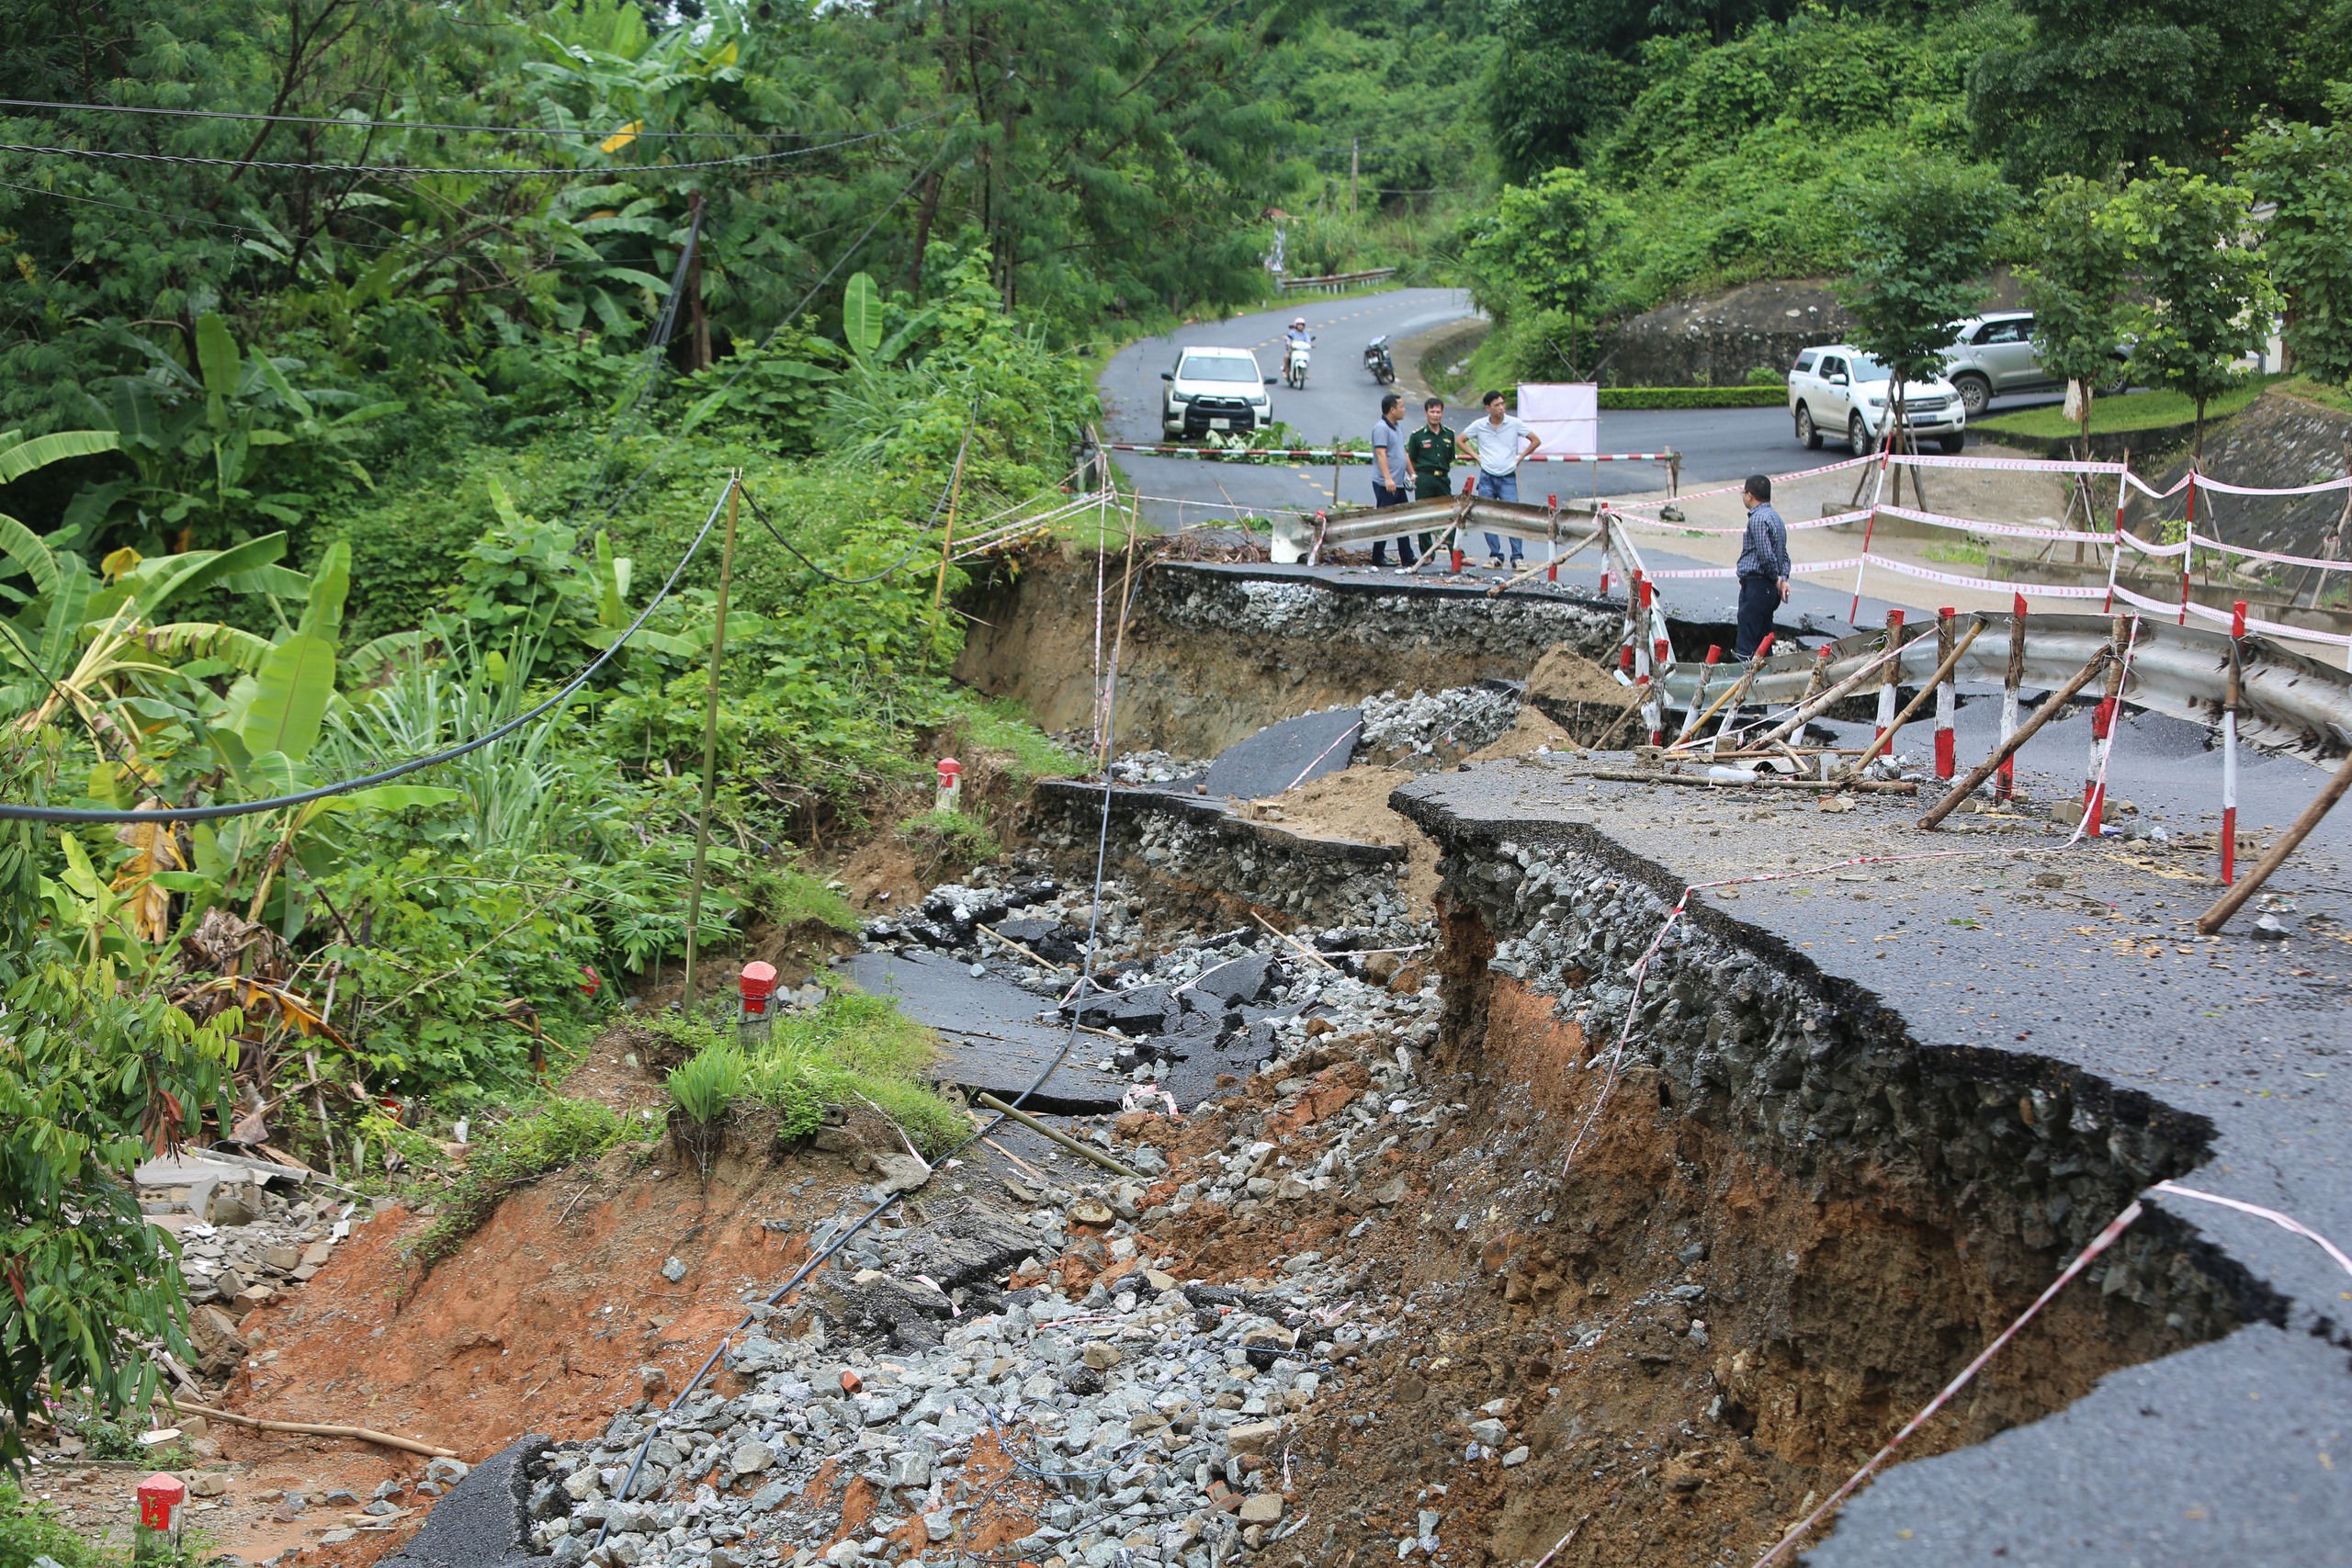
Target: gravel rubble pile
(1454, 721)
(1008, 1370)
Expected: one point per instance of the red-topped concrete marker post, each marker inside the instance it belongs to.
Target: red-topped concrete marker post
(951, 785)
(757, 982)
(156, 1538)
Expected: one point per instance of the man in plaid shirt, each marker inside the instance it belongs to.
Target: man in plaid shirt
(1763, 567)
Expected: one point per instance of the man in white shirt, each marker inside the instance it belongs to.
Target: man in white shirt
(1498, 441)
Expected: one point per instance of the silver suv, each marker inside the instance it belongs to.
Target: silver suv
(1992, 356)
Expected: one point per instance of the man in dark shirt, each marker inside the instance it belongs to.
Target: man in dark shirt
(1763, 568)
(1429, 451)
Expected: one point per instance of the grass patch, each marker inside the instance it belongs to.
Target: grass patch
(2132, 411)
(851, 1048)
(941, 837)
(1962, 554)
(2321, 392)
(1002, 724)
(552, 1134)
(787, 898)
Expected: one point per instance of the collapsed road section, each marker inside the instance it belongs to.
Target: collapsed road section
(1578, 1160)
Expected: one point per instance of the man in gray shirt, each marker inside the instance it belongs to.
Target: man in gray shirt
(1392, 481)
(1498, 442)
(1763, 568)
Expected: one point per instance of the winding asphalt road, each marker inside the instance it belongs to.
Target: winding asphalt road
(1341, 401)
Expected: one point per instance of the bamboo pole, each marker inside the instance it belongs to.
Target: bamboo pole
(2051, 707)
(317, 1429)
(710, 743)
(1797, 717)
(1064, 1140)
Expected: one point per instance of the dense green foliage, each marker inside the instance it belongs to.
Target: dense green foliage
(2305, 172)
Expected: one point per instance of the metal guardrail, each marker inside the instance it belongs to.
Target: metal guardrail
(1333, 283)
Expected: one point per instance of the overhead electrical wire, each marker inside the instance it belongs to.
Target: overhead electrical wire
(945, 491)
(340, 124)
(403, 171)
(170, 218)
(11, 812)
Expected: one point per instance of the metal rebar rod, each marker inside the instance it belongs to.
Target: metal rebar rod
(710, 742)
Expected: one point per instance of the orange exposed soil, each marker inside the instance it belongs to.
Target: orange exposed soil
(542, 1323)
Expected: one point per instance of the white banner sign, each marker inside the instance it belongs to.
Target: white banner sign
(1566, 416)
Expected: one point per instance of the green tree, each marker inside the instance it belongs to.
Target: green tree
(1923, 235)
(2207, 296)
(2073, 279)
(1545, 248)
(2305, 172)
(2103, 83)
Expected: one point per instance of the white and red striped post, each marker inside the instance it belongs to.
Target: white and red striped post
(2102, 720)
(2004, 782)
(1638, 626)
(1889, 679)
(2230, 752)
(1661, 655)
(1698, 693)
(1947, 693)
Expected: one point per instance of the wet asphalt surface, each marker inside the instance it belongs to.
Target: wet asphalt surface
(2237, 1451)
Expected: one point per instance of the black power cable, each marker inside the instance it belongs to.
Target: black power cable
(403, 171)
(945, 491)
(14, 813)
(338, 124)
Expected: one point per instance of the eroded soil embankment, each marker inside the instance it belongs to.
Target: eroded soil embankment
(1785, 1225)
(1213, 655)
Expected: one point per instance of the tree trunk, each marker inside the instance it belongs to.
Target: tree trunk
(926, 213)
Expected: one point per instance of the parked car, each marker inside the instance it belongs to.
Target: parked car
(1992, 356)
(1838, 390)
(1214, 389)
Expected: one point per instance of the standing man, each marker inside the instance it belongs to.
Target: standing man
(1498, 441)
(1430, 451)
(1388, 460)
(1763, 567)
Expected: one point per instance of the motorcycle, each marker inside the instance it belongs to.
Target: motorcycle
(1377, 359)
(1295, 366)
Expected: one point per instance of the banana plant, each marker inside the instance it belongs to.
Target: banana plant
(263, 734)
(196, 436)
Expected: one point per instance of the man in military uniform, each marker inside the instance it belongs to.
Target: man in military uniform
(1430, 451)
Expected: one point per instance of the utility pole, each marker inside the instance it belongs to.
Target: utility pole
(710, 740)
(1355, 167)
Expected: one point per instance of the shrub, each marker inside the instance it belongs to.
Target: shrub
(940, 838)
(30, 1529)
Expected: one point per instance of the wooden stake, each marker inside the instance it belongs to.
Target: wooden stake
(2051, 707)
(947, 542)
(2229, 903)
(710, 742)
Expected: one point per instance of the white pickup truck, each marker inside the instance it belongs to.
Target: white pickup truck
(1837, 392)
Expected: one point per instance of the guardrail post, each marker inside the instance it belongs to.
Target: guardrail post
(2230, 747)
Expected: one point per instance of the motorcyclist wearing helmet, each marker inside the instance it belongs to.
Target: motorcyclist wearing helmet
(1297, 337)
